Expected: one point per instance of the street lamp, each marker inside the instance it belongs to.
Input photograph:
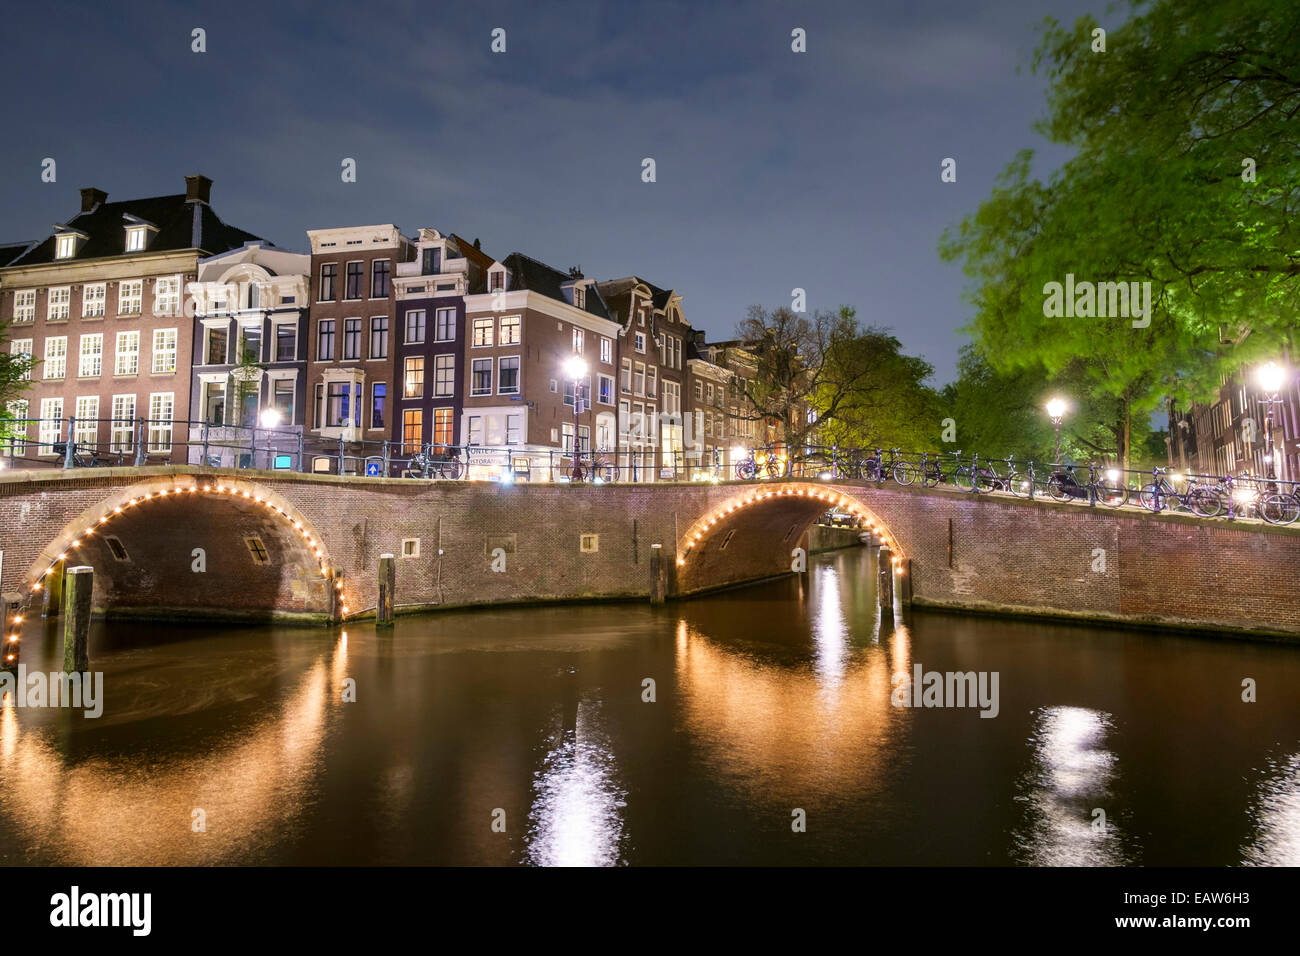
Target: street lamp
(270, 418)
(576, 369)
(1056, 411)
(1271, 378)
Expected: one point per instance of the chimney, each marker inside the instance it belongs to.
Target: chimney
(92, 197)
(197, 188)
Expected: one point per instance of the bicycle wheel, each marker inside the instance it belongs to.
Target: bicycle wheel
(1207, 502)
(606, 472)
(1017, 485)
(985, 481)
(870, 470)
(1280, 509)
(745, 470)
(448, 470)
(1057, 489)
(1112, 493)
(1149, 495)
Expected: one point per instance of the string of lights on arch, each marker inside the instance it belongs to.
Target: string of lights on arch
(697, 532)
(13, 640)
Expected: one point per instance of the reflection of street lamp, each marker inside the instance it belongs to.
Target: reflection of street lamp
(1271, 378)
(1056, 411)
(576, 369)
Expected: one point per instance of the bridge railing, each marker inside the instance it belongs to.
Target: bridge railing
(137, 441)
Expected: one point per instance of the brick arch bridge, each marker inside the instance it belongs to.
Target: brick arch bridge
(288, 545)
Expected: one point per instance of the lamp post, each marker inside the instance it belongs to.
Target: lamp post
(269, 419)
(576, 369)
(1056, 411)
(1271, 378)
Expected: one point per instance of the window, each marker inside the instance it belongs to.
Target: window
(355, 276)
(672, 398)
(91, 357)
(254, 295)
(496, 280)
(257, 550)
(699, 390)
(329, 279)
(341, 404)
(161, 405)
(443, 419)
(627, 376)
(445, 330)
(286, 342)
(510, 330)
(135, 238)
(605, 392)
(640, 341)
(412, 430)
(164, 355)
(579, 297)
(651, 384)
(607, 350)
(115, 545)
(577, 340)
(638, 380)
(351, 339)
(283, 393)
(586, 391)
(508, 375)
(130, 296)
(25, 305)
(475, 436)
(380, 270)
(56, 357)
(51, 425)
(87, 431)
(214, 402)
(514, 428)
(410, 547)
(432, 264)
(482, 333)
(588, 543)
(218, 344)
(444, 381)
(481, 377)
(415, 327)
(413, 380)
(325, 341)
(378, 401)
(167, 295)
(65, 247)
(58, 306)
(92, 301)
(18, 412)
(22, 347)
(379, 337)
(250, 343)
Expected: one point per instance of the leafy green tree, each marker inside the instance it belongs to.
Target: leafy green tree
(1185, 176)
(14, 372)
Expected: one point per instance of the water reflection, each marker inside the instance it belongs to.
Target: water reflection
(116, 808)
(1275, 815)
(576, 816)
(1072, 776)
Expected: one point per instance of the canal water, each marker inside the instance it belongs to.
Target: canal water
(526, 736)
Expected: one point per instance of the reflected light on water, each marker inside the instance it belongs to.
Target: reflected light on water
(576, 817)
(105, 811)
(830, 630)
(1275, 814)
(1071, 776)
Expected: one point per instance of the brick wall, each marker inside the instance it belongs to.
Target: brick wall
(979, 553)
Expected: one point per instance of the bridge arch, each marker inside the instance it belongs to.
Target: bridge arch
(751, 532)
(211, 544)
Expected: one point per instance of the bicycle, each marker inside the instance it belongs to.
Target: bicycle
(445, 466)
(753, 465)
(1198, 497)
(1280, 507)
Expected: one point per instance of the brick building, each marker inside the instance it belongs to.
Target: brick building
(519, 405)
(100, 306)
(250, 352)
(351, 367)
(429, 345)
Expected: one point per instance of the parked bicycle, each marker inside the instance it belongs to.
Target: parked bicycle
(1198, 496)
(760, 463)
(437, 462)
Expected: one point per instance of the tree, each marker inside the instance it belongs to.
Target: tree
(1185, 176)
(828, 377)
(14, 380)
(247, 381)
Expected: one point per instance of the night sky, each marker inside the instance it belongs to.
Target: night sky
(775, 169)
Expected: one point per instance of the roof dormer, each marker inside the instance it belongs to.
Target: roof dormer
(139, 233)
(67, 241)
(497, 279)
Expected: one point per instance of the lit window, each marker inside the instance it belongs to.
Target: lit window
(164, 353)
(91, 356)
(482, 333)
(92, 301)
(25, 305)
(56, 357)
(59, 304)
(130, 297)
(65, 247)
(510, 330)
(135, 238)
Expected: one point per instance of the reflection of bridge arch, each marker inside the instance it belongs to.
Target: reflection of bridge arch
(160, 525)
(759, 525)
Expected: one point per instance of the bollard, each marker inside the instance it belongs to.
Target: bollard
(387, 585)
(905, 582)
(76, 619)
(656, 574)
(885, 577)
(53, 591)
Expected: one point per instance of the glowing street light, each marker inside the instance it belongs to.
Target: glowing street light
(576, 370)
(270, 418)
(1056, 411)
(1271, 378)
